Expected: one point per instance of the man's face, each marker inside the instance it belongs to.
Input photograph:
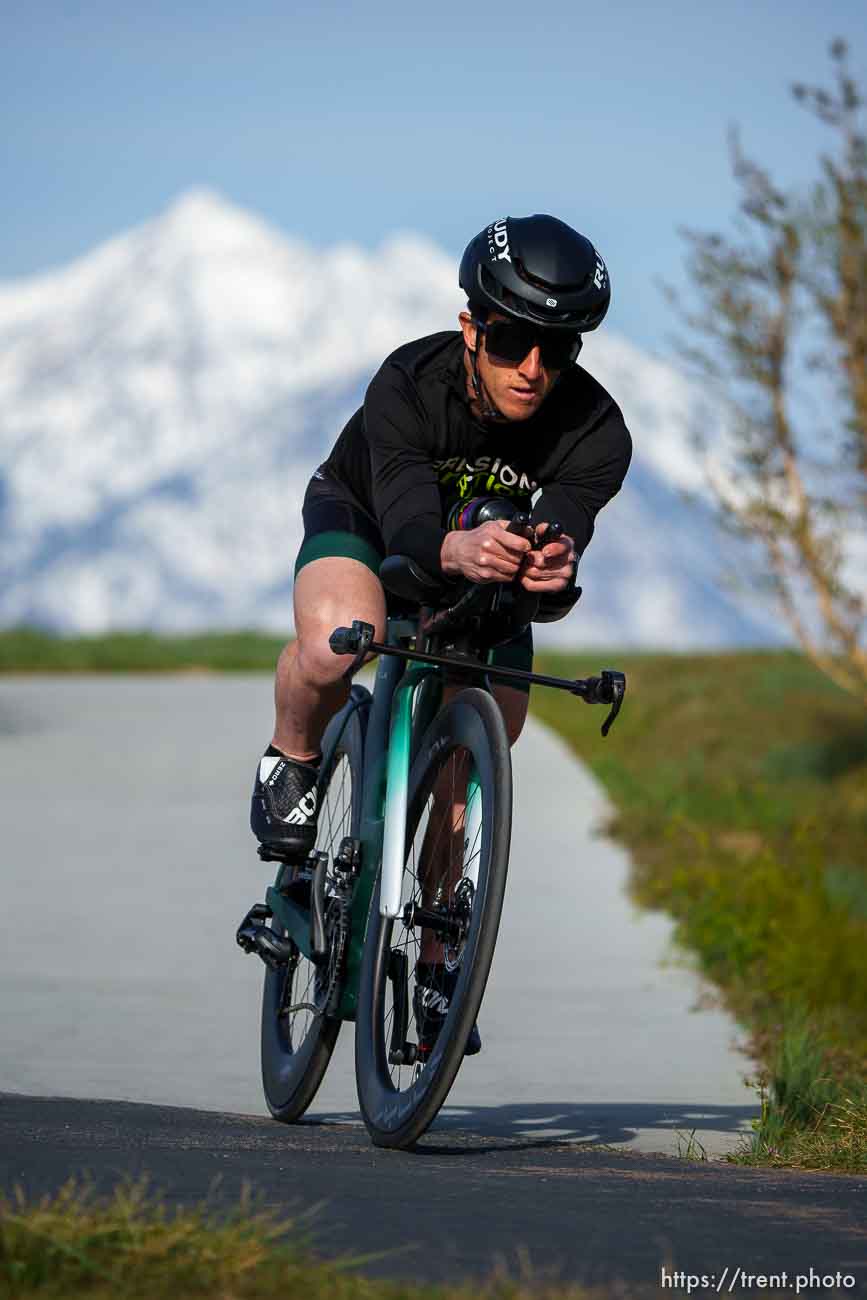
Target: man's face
(517, 389)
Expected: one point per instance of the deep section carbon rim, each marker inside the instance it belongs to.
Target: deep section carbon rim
(297, 1039)
(424, 973)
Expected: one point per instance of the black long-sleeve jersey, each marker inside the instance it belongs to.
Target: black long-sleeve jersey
(414, 449)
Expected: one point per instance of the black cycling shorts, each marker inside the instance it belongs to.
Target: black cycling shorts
(334, 526)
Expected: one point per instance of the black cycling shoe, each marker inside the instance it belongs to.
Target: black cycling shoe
(434, 987)
(284, 807)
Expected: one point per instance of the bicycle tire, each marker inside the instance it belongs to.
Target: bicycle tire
(293, 1070)
(397, 1108)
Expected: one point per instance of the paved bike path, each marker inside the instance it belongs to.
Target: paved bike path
(461, 1203)
(126, 864)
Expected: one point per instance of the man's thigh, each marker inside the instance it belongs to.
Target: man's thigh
(330, 592)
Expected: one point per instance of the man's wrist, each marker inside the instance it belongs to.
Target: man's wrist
(448, 559)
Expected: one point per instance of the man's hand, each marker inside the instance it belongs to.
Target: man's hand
(486, 554)
(550, 568)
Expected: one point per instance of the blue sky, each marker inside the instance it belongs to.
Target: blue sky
(339, 121)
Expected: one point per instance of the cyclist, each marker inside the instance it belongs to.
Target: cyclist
(498, 408)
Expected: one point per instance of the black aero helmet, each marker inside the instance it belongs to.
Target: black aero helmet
(537, 269)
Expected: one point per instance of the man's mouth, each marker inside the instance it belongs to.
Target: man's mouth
(526, 394)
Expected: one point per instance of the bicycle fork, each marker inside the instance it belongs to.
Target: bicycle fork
(394, 845)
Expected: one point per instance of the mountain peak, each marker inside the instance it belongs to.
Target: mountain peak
(205, 221)
(184, 379)
(200, 199)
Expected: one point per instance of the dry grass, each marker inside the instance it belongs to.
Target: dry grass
(130, 1245)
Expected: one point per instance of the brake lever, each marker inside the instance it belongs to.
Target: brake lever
(612, 689)
(608, 688)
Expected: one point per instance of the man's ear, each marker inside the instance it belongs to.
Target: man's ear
(470, 331)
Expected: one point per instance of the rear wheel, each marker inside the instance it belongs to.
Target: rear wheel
(297, 1036)
(459, 816)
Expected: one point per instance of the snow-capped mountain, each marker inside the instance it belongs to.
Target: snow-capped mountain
(164, 400)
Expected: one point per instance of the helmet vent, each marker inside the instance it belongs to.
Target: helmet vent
(545, 285)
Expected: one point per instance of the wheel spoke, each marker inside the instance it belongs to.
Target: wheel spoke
(297, 1039)
(436, 865)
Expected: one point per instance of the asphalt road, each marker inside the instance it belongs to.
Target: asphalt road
(461, 1204)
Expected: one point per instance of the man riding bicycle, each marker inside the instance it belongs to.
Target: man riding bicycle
(498, 409)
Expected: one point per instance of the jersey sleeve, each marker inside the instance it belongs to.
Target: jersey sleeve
(404, 482)
(590, 476)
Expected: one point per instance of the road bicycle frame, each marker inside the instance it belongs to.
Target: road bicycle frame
(401, 708)
(398, 712)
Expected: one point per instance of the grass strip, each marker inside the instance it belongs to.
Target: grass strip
(29, 650)
(74, 1244)
(739, 783)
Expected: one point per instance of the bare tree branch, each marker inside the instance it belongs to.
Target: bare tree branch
(784, 297)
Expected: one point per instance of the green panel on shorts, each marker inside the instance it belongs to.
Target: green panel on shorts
(515, 654)
(345, 546)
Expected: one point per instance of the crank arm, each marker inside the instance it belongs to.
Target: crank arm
(318, 940)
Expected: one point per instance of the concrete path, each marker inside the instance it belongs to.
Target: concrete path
(126, 863)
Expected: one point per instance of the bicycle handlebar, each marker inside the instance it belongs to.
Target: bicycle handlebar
(487, 598)
(480, 600)
(608, 688)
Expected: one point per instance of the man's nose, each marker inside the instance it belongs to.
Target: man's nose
(531, 366)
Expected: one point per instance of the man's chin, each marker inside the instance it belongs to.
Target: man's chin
(519, 408)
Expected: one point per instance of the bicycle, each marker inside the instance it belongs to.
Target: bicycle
(407, 782)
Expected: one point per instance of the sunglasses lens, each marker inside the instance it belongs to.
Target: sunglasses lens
(509, 341)
(512, 342)
(557, 353)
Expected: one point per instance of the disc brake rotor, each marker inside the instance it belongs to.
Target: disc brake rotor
(461, 909)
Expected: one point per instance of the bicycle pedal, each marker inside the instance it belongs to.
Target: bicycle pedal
(254, 936)
(280, 853)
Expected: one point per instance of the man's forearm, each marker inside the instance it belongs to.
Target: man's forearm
(420, 539)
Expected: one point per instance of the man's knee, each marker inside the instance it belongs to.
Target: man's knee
(330, 593)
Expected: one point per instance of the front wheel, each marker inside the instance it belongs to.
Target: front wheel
(459, 818)
(297, 1037)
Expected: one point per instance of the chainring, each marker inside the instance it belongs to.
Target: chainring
(329, 976)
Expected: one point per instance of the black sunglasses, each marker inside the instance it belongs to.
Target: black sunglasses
(512, 340)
